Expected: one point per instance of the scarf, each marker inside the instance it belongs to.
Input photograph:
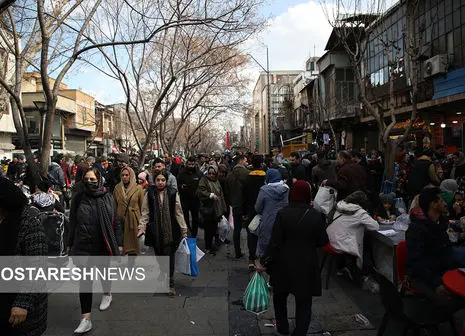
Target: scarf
(215, 187)
(163, 229)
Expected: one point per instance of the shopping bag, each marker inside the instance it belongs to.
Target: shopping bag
(193, 258)
(231, 218)
(325, 199)
(223, 229)
(182, 258)
(253, 226)
(256, 297)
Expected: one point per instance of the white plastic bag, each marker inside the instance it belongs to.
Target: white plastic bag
(253, 226)
(400, 206)
(325, 199)
(231, 218)
(402, 222)
(223, 229)
(182, 263)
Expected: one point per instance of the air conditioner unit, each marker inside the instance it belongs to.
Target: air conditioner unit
(436, 65)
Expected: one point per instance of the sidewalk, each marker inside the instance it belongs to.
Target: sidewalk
(206, 306)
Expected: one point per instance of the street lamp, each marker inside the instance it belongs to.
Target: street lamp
(270, 117)
(42, 107)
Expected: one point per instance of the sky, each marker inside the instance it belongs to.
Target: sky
(297, 29)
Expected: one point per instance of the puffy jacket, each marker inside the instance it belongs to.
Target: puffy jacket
(346, 232)
(429, 249)
(271, 198)
(85, 236)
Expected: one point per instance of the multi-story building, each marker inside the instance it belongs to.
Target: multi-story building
(7, 128)
(440, 37)
(74, 119)
(264, 127)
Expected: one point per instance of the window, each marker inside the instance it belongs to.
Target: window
(84, 114)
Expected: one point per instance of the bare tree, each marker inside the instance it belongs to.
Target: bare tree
(64, 33)
(351, 22)
(181, 70)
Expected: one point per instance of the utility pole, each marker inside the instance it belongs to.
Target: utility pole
(269, 111)
(270, 115)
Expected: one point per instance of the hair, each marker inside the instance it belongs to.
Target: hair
(44, 183)
(257, 161)
(428, 196)
(96, 172)
(296, 155)
(161, 172)
(91, 159)
(356, 154)
(191, 159)
(158, 160)
(239, 157)
(321, 154)
(345, 155)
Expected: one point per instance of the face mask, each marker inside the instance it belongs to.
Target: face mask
(91, 184)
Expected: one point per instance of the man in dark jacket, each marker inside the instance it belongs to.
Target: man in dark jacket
(297, 171)
(429, 248)
(188, 181)
(422, 173)
(171, 165)
(325, 170)
(255, 181)
(236, 189)
(350, 177)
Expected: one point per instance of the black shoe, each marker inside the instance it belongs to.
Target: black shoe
(240, 255)
(211, 252)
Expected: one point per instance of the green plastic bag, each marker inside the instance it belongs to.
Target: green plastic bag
(256, 297)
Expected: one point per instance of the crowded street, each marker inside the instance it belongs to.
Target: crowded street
(232, 168)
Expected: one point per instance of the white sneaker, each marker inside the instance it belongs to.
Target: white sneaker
(84, 326)
(105, 303)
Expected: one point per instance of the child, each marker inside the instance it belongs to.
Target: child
(386, 212)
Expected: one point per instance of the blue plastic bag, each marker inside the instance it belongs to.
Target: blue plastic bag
(192, 244)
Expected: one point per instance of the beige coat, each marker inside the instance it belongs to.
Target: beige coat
(129, 203)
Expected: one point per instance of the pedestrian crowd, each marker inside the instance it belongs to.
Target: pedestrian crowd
(113, 204)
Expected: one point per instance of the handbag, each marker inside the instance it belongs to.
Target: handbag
(325, 199)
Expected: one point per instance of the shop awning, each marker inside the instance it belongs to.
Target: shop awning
(295, 138)
(8, 146)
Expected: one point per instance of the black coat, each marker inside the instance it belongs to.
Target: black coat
(188, 182)
(291, 257)
(85, 235)
(255, 181)
(429, 251)
(350, 178)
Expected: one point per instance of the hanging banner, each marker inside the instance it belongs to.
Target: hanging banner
(227, 140)
(326, 139)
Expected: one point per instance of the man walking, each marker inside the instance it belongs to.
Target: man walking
(236, 183)
(188, 181)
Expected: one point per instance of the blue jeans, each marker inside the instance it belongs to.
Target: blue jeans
(458, 254)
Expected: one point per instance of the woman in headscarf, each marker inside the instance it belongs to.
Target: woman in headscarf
(162, 221)
(129, 197)
(272, 197)
(94, 230)
(291, 259)
(21, 233)
(212, 205)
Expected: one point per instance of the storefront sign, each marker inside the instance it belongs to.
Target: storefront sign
(403, 125)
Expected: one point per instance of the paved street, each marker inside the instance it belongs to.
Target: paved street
(206, 306)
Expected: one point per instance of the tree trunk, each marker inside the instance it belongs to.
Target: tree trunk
(390, 153)
(47, 136)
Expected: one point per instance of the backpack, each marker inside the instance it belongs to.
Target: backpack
(54, 229)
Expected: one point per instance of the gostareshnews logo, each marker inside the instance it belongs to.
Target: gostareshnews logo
(41, 274)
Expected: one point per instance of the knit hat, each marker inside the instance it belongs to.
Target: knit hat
(273, 176)
(301, 191)
(142, 176)
(449, 185)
